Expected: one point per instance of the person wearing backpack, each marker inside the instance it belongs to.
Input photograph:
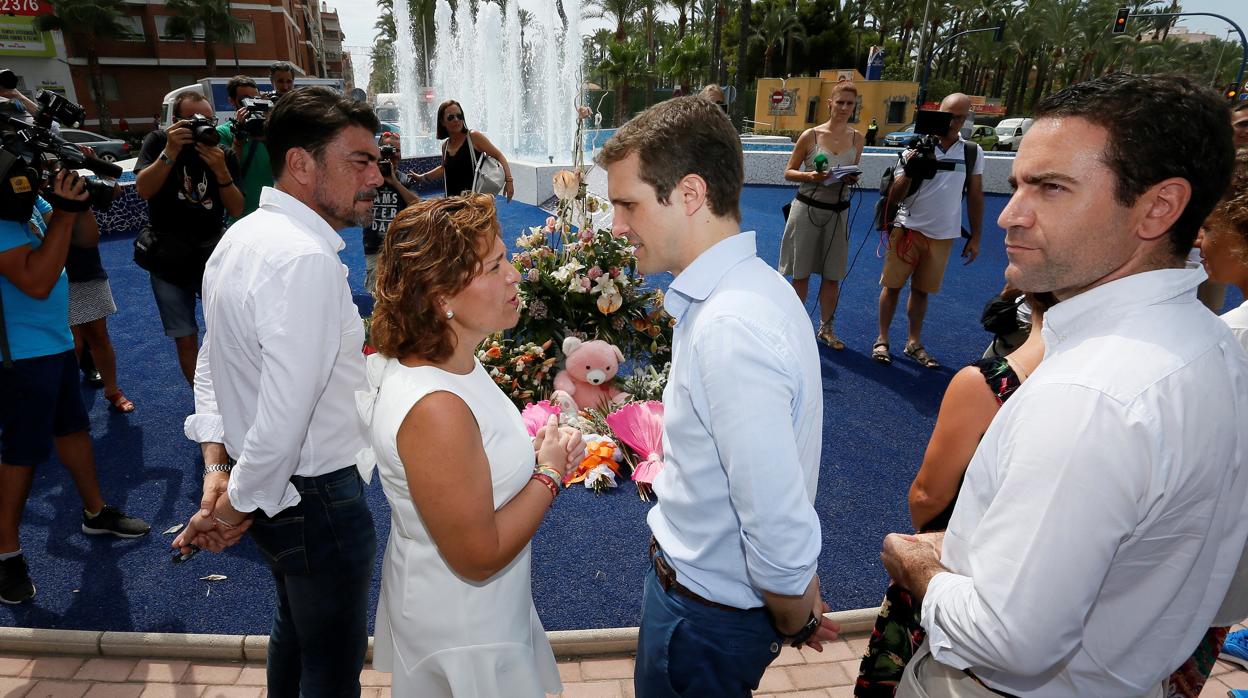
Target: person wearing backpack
(921, 236)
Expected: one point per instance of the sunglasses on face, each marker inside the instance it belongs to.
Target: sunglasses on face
(454, 117)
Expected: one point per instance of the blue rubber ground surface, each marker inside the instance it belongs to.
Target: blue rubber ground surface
(589, 556)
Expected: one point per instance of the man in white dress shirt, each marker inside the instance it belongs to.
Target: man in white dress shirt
(736, 534)
(275, 390)
(1102, 517)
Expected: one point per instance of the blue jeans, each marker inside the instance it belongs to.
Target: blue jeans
(688, 649)
(321, 553)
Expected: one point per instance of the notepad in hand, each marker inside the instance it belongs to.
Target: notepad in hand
(840, 172)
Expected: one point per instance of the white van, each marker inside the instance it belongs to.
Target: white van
(1010, 132)
(215, 90)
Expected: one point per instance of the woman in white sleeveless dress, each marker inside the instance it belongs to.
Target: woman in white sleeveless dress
(466, 486)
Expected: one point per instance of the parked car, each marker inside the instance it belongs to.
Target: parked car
(985, 136)
(899, 139)
(1010, 132)
(107, 149)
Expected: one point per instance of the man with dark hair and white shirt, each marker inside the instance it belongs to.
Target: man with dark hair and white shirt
(1104, 513)
(275, 390)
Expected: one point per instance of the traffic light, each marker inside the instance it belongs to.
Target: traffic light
(998, 34)
(1120, 23)
(1232, 91)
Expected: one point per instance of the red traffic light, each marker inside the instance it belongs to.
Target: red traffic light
(1232, 92)
(1120, 22)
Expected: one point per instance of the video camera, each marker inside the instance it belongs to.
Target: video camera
(383, 162)
(256, 112)
(929, 128)
(26, 147)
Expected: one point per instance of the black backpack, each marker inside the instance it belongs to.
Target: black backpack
(883, 219)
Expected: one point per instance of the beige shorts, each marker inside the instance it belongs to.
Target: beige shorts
(914, 256)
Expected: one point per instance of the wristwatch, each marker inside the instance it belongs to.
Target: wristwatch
(218, 468)
(165, 159)
(801, 636)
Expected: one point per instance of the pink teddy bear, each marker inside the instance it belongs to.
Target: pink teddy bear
(586, 380)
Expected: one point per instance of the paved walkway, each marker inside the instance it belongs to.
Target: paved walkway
(796, 674)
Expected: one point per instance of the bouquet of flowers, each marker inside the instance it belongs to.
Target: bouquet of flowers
(523, 370)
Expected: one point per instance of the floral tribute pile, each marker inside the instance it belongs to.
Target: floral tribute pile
(578, 279)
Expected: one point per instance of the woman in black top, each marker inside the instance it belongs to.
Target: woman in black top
(457, 169)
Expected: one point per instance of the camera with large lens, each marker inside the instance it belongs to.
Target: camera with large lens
(26, 146)
(929, 128)
(383, 162)
(203, 130)
(255, 112)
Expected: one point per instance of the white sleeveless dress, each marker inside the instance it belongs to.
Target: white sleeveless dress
(438, 633)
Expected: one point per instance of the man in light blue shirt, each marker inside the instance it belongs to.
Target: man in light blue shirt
(736, 537)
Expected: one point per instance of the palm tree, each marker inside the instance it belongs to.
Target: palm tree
(684, 59)
(779, 21)
(89, 22)
(625, 64)
(211, 18)
(616, 11)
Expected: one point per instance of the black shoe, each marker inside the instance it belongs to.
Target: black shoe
(93, 379)
(112, 520)
(15, 584)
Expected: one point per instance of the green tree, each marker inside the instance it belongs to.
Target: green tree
(88, 23)
(212, 19)
(685, 59)
(618, 12)
(381, 79)
(779, 21)
(626, 65)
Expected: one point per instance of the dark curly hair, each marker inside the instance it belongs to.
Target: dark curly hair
(1232, 210)
(1150, 120)
(433, 249)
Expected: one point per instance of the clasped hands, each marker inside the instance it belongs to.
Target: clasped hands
(216, 526)
(562, 448)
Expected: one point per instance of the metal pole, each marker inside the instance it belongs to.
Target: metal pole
(1213, 81)
(922, 40)
(927, 70)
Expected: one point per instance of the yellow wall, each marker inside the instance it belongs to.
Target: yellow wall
(875, 96)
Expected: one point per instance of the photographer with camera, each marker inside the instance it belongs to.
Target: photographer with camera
(244, 136)
(394, 195)
(39, 374)
(189, 184)
(944, 168)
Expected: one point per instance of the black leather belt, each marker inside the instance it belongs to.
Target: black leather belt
(815, 203)
(667, 580)
(980, 681)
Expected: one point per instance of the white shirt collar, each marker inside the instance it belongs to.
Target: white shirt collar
(1090, 310)
(701, 277)
(276, 199)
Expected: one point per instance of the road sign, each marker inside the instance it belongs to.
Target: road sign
(25, 8)
(777, 97)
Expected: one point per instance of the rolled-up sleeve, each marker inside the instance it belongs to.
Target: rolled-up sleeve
(1070, 494)
(299, 330)
(206, 425)
(750, 391)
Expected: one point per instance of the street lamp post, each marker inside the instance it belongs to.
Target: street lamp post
(922, 40)
(1218, 66)
(998, 35)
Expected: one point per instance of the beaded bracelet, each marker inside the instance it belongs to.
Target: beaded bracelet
(550, 472)
(548, 482)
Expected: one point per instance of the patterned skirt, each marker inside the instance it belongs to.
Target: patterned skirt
(89, 301)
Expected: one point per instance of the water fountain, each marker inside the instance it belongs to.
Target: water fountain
(517, 85)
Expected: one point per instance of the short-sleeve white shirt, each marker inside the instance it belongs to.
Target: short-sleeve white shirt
(936, 208)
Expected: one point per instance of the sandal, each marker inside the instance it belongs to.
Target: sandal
(920, 355)
(879, 352)
(828, 336)
(118, 402)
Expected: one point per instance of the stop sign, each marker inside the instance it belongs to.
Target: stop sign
(777, 97)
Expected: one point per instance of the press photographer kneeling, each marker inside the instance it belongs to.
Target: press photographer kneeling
(39, 374)
(188, 181)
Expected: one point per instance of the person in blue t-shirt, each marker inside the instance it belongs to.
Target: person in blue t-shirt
(39, 380)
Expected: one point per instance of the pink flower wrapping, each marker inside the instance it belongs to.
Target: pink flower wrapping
(640, 426)
(535, 415)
